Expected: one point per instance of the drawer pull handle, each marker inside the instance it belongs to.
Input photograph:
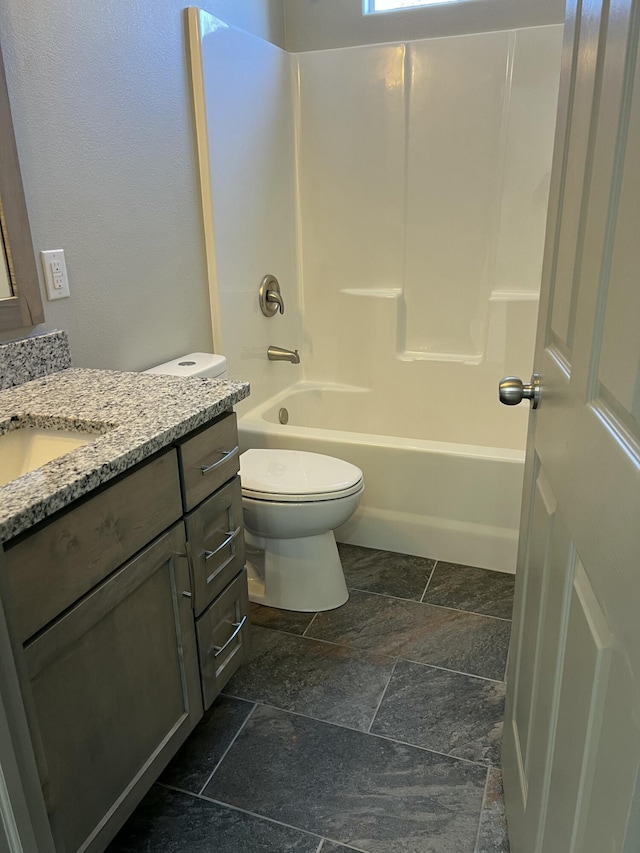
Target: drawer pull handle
(238, 626)
(220, 569)
(226, 455)
(231, 535)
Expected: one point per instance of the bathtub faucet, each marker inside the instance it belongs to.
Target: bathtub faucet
(279, 354)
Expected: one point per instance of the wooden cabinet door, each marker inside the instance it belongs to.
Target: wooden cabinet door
(115, 688)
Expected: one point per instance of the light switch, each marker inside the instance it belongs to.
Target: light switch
(55, 273)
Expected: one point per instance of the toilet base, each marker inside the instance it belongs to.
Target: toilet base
(296, 574)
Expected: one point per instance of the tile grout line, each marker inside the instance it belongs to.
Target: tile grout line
(304, 633)
(383, 594)
(444, 669)
(430, 751)
(360, 651)
(331, 643)
(232, 807)
(300, 714)
(225, 753)
(424, 592)
(322, 838)
(484, 797)
(346, 846)
(384, 693)
(361, 732)
(235, 808)
(393, 598)
(429, 604)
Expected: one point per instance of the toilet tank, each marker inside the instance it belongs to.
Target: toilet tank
(205, 365)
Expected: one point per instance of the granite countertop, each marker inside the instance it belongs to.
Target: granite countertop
(132, 415)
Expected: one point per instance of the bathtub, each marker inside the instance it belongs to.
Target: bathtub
(450, 501)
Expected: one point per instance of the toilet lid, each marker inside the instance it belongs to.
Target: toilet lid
(295, 475)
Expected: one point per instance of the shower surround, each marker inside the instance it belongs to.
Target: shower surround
(398, 192)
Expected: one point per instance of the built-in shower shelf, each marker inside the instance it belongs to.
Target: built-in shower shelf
(373, 292)
(422, 355)
(513, 296)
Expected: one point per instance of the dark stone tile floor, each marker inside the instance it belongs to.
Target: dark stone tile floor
(374, 728)
(417, 708)
(280, 620)
(492, 837)
(400, 575)
(468, 588)
(322, 680)
(464, 642)
(170, 821)
(348, 786)
(193, 765)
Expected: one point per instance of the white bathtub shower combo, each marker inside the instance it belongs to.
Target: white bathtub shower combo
(451, 499)
(398, 192)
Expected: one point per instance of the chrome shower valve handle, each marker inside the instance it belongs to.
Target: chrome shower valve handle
(269, 296)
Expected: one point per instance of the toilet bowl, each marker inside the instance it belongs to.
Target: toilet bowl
(292, 501)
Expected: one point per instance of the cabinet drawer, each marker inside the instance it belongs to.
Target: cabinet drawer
(214, 531)
(52, 568)
(223, 637)
(208, 460)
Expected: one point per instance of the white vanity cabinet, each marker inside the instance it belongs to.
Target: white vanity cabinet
(130, 611)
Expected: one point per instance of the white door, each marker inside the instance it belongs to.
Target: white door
(571, 750)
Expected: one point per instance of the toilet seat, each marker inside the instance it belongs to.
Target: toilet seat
(297, 476)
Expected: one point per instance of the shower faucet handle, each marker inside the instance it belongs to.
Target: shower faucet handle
(512, 391)
(269, 296)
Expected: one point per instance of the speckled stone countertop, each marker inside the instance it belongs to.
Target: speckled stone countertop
(133, 415)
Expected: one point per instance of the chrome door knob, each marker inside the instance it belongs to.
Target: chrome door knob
(513, 391)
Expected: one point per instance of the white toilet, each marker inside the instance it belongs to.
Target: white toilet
(292, 501)
(195, 365)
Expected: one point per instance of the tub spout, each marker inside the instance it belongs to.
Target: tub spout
(279, 354)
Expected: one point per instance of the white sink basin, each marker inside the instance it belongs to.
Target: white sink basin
(22, 450)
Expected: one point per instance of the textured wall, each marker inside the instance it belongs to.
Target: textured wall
(249, 110)
(320, 24)
(102, 112)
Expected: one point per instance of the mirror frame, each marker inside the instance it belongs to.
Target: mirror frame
(24, 308)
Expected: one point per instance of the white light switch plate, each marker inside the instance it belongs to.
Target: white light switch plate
(55, 273)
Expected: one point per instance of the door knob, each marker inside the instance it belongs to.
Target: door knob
(512, 391)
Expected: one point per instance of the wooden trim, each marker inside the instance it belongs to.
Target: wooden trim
(25, 307)
(24, 823)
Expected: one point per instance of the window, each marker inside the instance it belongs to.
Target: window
(373, 6)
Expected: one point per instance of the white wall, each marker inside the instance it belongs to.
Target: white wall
(263, 18)
(322, 24)
(102, 111)
(248, 139)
